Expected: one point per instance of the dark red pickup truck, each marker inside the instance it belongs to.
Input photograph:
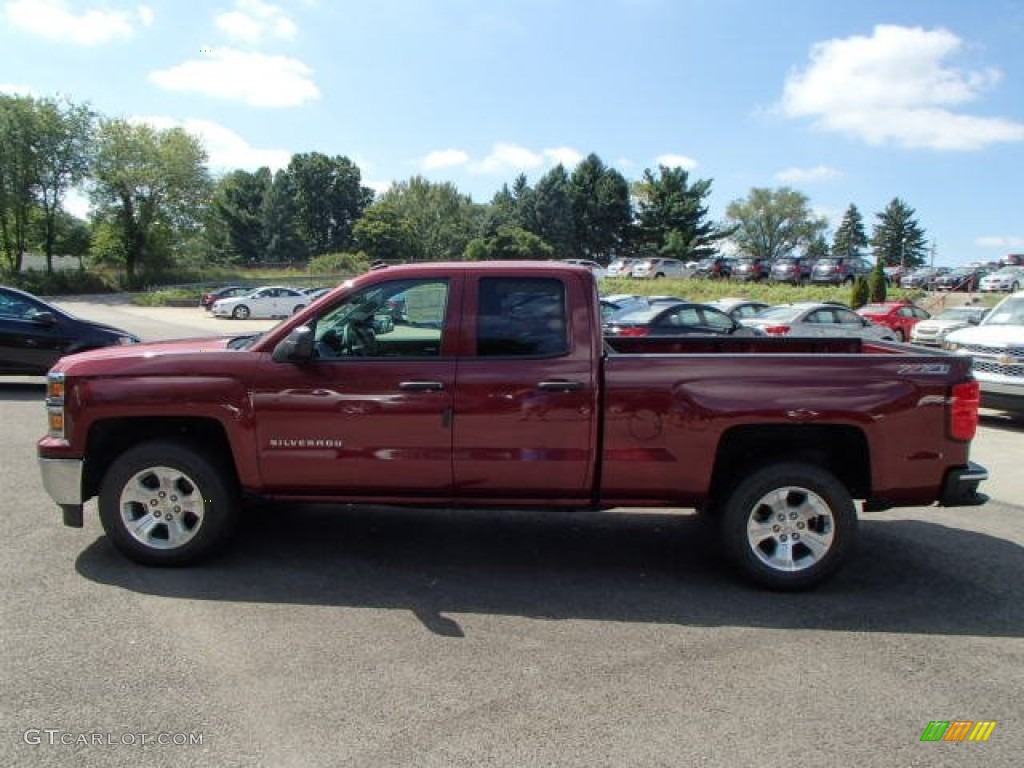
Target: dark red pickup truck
(490, 384)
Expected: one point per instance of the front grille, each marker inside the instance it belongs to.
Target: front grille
(996, 369)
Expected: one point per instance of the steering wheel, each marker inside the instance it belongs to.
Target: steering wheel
(358, 340)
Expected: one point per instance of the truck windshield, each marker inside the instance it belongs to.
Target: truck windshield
(1008, 312)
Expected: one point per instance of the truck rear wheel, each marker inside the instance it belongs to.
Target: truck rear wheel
(789, 525)
(165, 503)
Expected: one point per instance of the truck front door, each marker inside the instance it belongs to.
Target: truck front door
(371, 414)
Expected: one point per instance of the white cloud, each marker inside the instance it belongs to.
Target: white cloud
(807, 175)
(379, 187)
(53, 20)
(77, 203)
(676, 161)
(252, 21)
(896, 87)
(1002, 242)
(567, 156)
(226, 149)
(444, 158)
(504, 158)
(253, 78)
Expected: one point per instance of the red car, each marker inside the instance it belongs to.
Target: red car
(901, 316)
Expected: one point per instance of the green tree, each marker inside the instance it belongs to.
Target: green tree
(329, 197)
(553, 213)
(19, 176)
(509, 243)
(384, 234)
(63, 149)
(850, 238)
(601, 211)
(441, 219)
(859, 293)
(279, 219)
(672, 215)
(897, 239)
(773, 222)
(238, 201)
(817, 248)
(149, 189)
(878, 282)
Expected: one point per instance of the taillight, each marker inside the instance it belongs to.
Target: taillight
(963, 410)
(776, 330)
(634, 332)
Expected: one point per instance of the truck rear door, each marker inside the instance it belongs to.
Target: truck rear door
(526, 402)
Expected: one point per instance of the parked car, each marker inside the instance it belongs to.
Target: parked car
(620, 268)
(208, 299)
(900, 316)
(1006, 279)
(932, 332)
(840, 270)
(960, 279)
(616, 303)
(270, 301)
(996, 348)
(34, 334)
(658, 268)
(1013, 260)
(922, 277)
(674, 319)
(738, 309)
(790, 269)
(813, 318)
(714, 268)
(596, 269)
(751, 269)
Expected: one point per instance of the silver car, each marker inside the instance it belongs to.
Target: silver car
(818, 319)
(657, 268)
(1006, 279)
(932, 332)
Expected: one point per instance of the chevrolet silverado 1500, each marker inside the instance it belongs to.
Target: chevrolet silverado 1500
(490, 384)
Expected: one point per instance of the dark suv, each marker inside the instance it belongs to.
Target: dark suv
(790, 269)
(840, 270)
(751, 269)
(714, 268)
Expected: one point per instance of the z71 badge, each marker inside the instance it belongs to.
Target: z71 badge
(924, 369)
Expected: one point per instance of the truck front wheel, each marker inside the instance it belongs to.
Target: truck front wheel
(165, 503)
(789, 525)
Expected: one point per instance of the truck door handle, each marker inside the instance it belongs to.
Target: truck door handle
(559, 386)
(421, 386)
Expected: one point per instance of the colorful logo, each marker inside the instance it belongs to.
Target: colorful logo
(958, 730)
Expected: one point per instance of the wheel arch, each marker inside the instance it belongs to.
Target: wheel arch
(843, 450)
(109, 438)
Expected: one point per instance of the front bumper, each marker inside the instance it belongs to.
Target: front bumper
(62, 479)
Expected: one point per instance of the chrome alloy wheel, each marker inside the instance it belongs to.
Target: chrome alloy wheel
(790, 529)
(161, 507)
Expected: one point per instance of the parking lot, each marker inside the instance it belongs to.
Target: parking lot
(365, 637)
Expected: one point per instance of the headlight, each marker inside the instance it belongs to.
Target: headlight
(55, 390)
(950, 346)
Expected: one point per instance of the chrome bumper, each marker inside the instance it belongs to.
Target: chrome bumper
(62, 479)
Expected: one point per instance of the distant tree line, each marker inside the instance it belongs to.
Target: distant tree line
(156, 208)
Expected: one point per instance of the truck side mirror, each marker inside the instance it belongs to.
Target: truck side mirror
(296, 347)
(44, 318)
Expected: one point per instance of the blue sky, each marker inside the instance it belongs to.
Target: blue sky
(846, 102)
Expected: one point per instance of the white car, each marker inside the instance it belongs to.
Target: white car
(270, 301)
(996, 346)
(818, 319)
(620, 268)
(657, 268)
(933, 331)
(1006, 279)
(596, 269)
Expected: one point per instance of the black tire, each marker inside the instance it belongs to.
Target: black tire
(184, 505)
(298, 309)
(241, 312)
(900, 335)
(771, 518)
(1015, 287)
